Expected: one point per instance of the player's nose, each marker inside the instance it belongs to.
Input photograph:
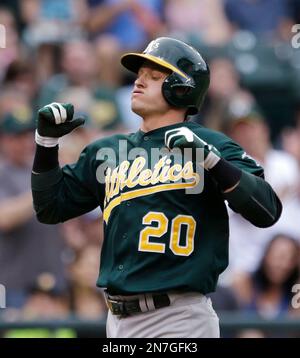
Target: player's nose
(140, 81)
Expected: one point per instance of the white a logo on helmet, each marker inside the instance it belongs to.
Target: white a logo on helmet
(153, 45)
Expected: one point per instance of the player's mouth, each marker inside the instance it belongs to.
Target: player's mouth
(137, 92)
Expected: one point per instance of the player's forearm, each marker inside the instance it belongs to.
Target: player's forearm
(46, 175)
(15, 212)
(57, 197)
(56, 194)
(45, 159)
(45, 193)
(247, 194)
(226, 175)
(255, 200)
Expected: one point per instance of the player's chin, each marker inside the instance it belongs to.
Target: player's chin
(137, 107)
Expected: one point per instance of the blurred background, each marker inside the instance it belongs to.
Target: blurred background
(69, 51)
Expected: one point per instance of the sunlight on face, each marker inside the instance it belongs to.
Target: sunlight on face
(147, 98)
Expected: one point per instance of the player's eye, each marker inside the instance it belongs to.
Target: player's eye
(156, 76)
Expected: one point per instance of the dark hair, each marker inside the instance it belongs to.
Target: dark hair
(260, 278)
(17, 68)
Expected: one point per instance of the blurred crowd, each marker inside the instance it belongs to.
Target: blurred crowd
(69, 51)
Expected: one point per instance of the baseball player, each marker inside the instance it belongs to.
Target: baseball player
(165, 244)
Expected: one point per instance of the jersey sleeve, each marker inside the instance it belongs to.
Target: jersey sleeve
(253, 197)
(64, 193)
(236, 155)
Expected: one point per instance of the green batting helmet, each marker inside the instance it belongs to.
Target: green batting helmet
(188, 82)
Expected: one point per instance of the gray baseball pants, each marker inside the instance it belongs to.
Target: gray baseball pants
(190, 315)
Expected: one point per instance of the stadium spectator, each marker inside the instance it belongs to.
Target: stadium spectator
(27, 248)
(52, 21)
(202, 18)
(77, 83)
(10, 49)
(108, 51)
(20, 77)
(264, 18)
(224, 85)
(46, 300)
(268, 291)
(247, 126)
(291, 137)
(132, 22)
(88, 301)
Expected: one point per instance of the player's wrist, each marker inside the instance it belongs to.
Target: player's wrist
(226, 174)
(45, 159)
(211, 160)
(48, 142)
(211, 156)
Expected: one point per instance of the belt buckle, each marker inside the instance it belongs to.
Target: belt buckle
(116, 307)
(110, 304)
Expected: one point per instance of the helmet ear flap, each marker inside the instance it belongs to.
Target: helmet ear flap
(182, 91)
(177, 91)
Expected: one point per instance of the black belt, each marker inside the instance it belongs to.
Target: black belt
(128, 307)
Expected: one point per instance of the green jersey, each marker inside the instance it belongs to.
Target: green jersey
(158, 235)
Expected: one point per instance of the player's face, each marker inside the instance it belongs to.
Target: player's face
(147, 98)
